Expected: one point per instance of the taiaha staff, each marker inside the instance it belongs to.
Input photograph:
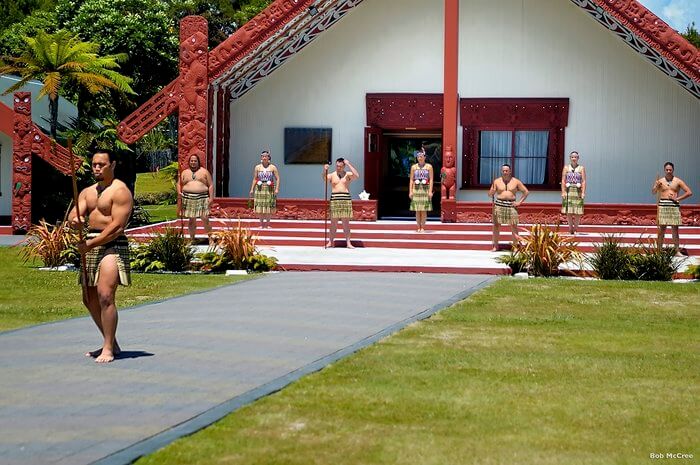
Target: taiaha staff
(83, 266)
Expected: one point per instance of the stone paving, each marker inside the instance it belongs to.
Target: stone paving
(189, 361)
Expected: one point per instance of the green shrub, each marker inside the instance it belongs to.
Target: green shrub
(54, 245)
(516, 261)
(235, 250)
(694, 271)
(167, 251)
(139, 216)
(644, 261)
(156, 198)
(611, 260)
(649, 263)
(544, 249)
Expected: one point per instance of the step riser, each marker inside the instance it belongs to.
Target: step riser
(396, 226)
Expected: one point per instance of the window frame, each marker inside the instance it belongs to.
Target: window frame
(512, 155)
(513, 114)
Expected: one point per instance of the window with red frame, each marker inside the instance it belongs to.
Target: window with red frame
(527, 134)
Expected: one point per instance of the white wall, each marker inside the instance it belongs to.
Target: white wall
(626, 117)
(376, 47)
(5, 174)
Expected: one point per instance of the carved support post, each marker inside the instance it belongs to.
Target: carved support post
(450, 104)
(22, 162)
(448, 188)
(194, 106)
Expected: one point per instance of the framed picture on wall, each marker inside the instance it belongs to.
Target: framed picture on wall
(307, 145)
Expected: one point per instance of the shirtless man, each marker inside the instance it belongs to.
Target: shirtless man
(667, 190)
(196, 189)
(265, 188)
(341, 201)
(107, 206)
(505, 204)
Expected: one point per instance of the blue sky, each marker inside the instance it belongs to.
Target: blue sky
(677, 13)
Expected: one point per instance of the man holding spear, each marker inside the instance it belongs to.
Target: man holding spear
(106, 206)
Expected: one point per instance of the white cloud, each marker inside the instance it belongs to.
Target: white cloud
(677, 13)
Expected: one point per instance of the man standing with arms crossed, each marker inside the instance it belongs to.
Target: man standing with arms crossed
(505, 204)
(107, 206)
(341, 201)
(668, 211)
(196, 189)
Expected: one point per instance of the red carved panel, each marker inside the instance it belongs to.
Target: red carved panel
(292, 209)
(227, 146)
(194, 105)
(515, 112)
(22, 162)
(656, 33)
(148, 115)
(595, 214)
(405, 111)
(253, 33)
(509, 114)
(28, 140)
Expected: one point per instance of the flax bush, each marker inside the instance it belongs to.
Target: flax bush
(644, 261)
(54, 245)
(544, 249)
(235, 250)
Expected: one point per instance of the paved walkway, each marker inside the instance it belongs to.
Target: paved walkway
(191, 360)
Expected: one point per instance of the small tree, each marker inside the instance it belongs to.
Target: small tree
(692, 35)
(62, 58)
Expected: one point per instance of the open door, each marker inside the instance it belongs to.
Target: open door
(373, 161)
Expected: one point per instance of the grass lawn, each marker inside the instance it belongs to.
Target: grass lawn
(523, 372)
(161, 213)
(29, 296)
(152, 182)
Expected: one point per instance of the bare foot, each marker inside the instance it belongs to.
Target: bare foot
(330, 245)
(105, 357)
(494, 248)
(350, 246)
(96, 353)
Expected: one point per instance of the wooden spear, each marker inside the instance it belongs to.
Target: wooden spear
(83, 267)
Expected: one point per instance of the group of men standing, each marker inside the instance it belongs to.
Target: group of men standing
(108, 203)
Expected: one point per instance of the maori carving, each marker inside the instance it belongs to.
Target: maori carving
(596, 214)
(292, 209)
(401, 111)
(155, 110)
(649, 36)
(253, 34)
(300, 31)
(646, 24)
(448, 175)
(193, 107)
(28, 140)
(22, 162)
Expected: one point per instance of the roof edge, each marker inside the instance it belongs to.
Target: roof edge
(657, 33)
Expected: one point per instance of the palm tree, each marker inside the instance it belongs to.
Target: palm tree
(62, 58)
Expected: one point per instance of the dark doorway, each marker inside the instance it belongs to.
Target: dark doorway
(401, 149)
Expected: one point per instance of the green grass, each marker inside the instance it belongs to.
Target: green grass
(523, 372)
(161, 213)
(152, 182)
(29, 296)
